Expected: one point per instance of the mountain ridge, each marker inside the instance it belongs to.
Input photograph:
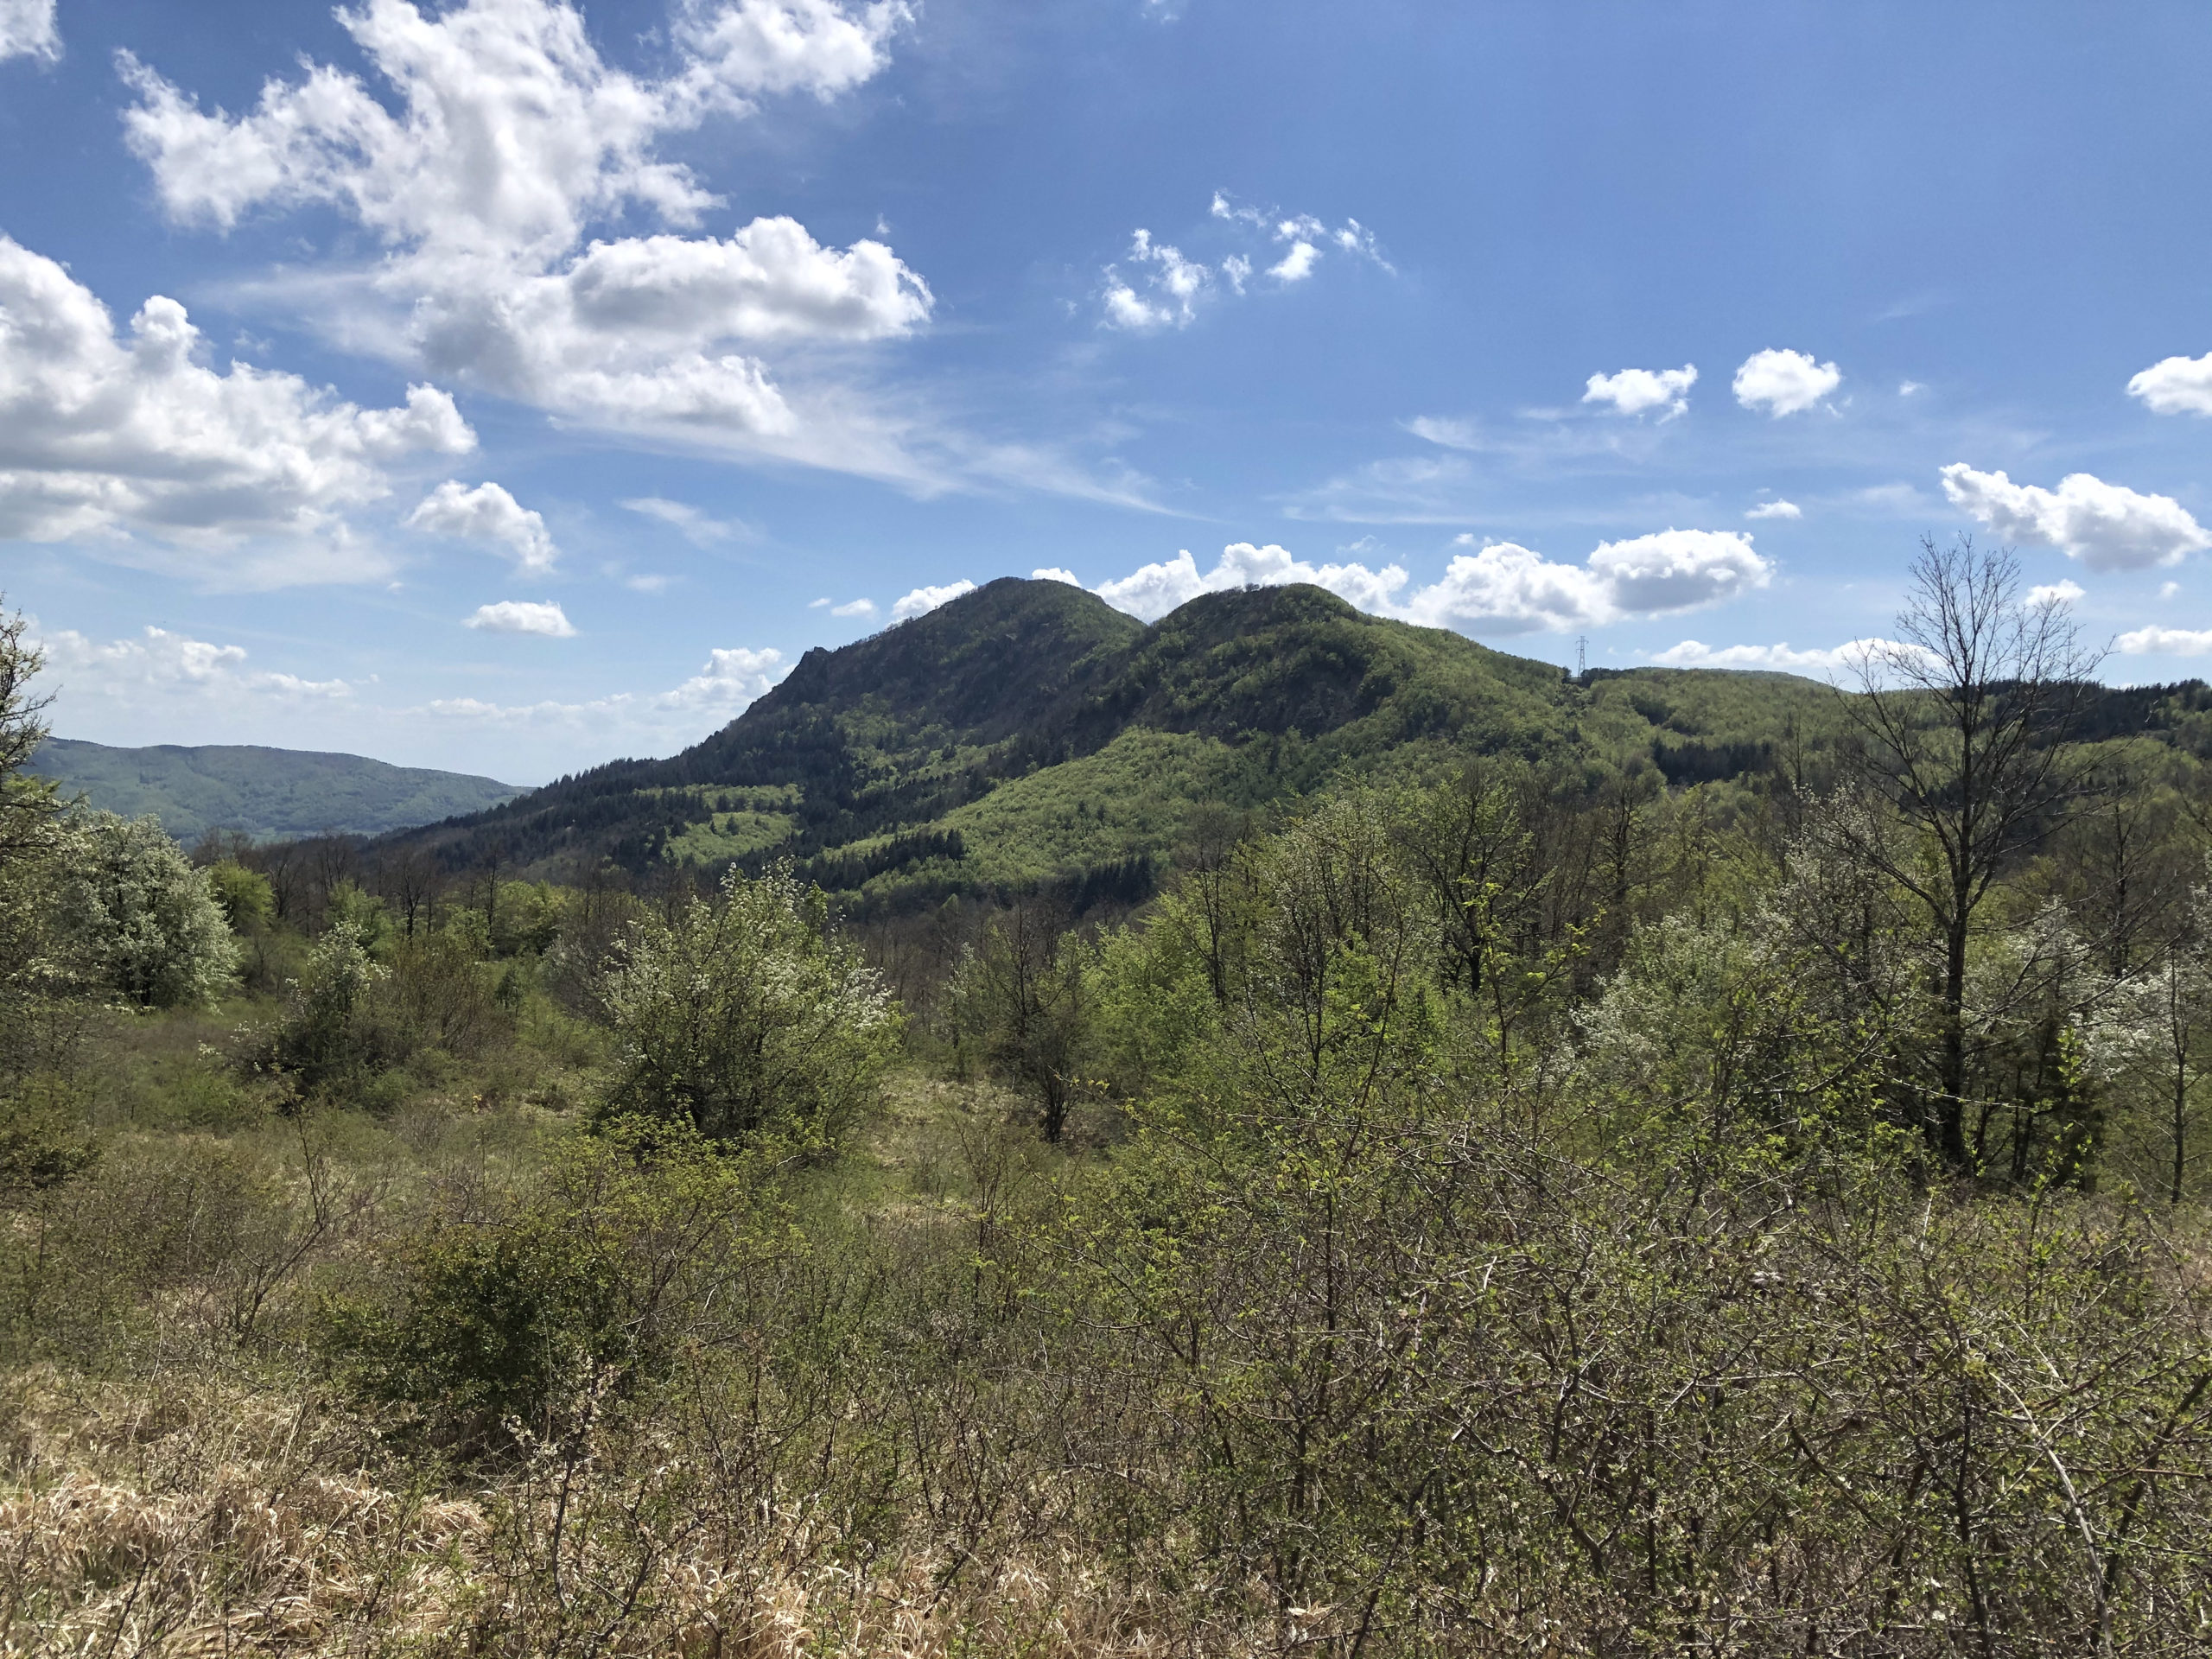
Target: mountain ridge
(1029, 734)
(875, 761)
(264, 792)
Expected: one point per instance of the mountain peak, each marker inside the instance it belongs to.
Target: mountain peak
(1027, 732)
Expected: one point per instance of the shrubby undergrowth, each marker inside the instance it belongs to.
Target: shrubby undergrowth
(1517, 1211)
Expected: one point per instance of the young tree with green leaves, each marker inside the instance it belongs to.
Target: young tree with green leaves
(747, 1016)
(1022, 993)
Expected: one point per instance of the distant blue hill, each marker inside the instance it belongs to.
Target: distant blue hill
(269, 794)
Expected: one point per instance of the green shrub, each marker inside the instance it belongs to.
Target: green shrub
(247, 899)
(203, 1095)
(44, 1137)
(349, 906)
(590, 1279)
(182, 1234)
(439, 996)
(747, 1017)
(325, 1032)
(350, 1021)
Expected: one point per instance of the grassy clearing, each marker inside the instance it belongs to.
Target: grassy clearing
(179, 1484)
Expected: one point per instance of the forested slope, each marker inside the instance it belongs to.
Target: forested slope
(262, 792)
(1029, 732)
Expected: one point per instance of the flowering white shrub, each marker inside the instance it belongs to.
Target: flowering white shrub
(150, 927)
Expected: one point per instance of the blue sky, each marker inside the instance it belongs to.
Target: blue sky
(508, 387)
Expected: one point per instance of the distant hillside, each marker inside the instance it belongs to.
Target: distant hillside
(1028, 735)
(1029, 732)
(267, 793)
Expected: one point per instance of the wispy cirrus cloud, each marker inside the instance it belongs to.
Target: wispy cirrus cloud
(691, 523)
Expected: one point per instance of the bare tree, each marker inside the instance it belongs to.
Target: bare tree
(1963, 723)
(331, 858)
(409, 877)
(26, 803)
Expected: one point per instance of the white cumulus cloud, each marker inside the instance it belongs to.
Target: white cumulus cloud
(1055, 572)
(855, 608)
(1501, 588)
(1155, 286)
(505, 140)
(28, 30)
(2176, 385)
(487, 514)
(523, 616)
(2156, 641)
(731, 679)
(2106, 526)
(137, 447)
(1775, 509)
(1172, 288)
(1779, 383)
(160, 668)
(752, 46)
(1296, 265)
(1634, 391)
(2056, 593)
(923, 600)
(1152, 590)
(167, 687)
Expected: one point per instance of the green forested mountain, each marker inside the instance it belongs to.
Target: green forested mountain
(1029, 732)
(266, 793)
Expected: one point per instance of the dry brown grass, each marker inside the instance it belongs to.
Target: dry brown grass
(194, 1518)
(188, 1519)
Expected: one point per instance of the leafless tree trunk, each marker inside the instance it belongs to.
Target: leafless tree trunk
(1962, 722)
(410, 879)
(25, 804)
